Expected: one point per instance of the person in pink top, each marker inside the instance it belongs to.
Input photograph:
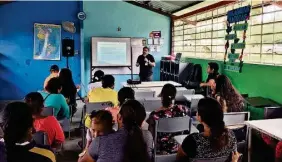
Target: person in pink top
(125, 93)
(48, 124)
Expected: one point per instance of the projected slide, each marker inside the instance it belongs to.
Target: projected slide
(111, 53)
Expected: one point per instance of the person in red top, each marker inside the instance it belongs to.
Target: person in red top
(48, 124)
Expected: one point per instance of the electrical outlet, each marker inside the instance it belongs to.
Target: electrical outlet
(76, 52)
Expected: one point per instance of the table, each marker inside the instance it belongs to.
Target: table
(256, 106)
(151, 84)
(195, 96)
(261, 102)
(271, 127)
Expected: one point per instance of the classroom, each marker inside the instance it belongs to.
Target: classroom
(141, 81)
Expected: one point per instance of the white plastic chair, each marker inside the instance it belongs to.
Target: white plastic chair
(236, 118)
(144, 93)
(170, 125)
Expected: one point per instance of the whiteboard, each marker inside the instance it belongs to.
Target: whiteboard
(137, 49)
(111, 51)
(136, 45)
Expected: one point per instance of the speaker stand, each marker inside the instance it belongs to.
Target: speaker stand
(67, 57)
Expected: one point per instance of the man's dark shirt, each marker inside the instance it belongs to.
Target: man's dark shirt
(145, 70)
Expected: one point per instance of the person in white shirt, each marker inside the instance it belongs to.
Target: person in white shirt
(96, 80)
(54, 72)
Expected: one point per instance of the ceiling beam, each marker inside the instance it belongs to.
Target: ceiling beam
(207, 8)
(149, 8)
(187, 6)
(4, 2)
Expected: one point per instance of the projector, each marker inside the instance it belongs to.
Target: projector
(130, 81)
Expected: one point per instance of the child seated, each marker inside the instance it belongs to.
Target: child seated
(101, 124)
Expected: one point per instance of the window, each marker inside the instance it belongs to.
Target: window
(206, 38)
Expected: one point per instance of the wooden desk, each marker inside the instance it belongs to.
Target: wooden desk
(271, 127)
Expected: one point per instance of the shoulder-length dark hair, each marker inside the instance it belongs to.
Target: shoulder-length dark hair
(68, 86)
(211, 113)
(17, 123)
(135, 148)
(227, 92)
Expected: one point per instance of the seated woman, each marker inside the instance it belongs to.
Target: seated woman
(106, 93)
(227, 95)
(125, 145)
(68, 88)
(101, 124)
(124, 94)
(215, 141)
(54, 99)
(97, 80)
(48, 124)
(18, 126)
(165, 142)
(212, 71)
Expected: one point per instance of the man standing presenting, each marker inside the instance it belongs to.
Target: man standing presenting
(146, 62)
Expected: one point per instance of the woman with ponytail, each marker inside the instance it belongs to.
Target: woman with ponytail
(215, 141)
(128, 144)
(18, 127)
(96, 81)
(165, 142)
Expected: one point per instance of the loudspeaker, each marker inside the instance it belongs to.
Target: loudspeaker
(68, 47)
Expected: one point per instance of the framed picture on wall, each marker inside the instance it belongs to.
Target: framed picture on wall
(47, 42)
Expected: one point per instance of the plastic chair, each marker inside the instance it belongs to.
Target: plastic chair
(236, 118)
(47, 111)
(151, 104)
(144, 93)
(170, 125)
(219, 159)
(183, 91)
(272, 112)
(40, 138)
(194, 102)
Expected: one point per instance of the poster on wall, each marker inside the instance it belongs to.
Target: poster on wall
(237, 25)
(47, 42)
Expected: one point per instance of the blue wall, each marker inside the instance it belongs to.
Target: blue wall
(19, 73)
(103, 19)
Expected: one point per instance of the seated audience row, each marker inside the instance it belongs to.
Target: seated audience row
(67, 86)
(18, 130)
(165, 142)
(48, 124)
(127, 144)
(54, 99)
(223, 90)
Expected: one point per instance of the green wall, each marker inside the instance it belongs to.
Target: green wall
(255, 80)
